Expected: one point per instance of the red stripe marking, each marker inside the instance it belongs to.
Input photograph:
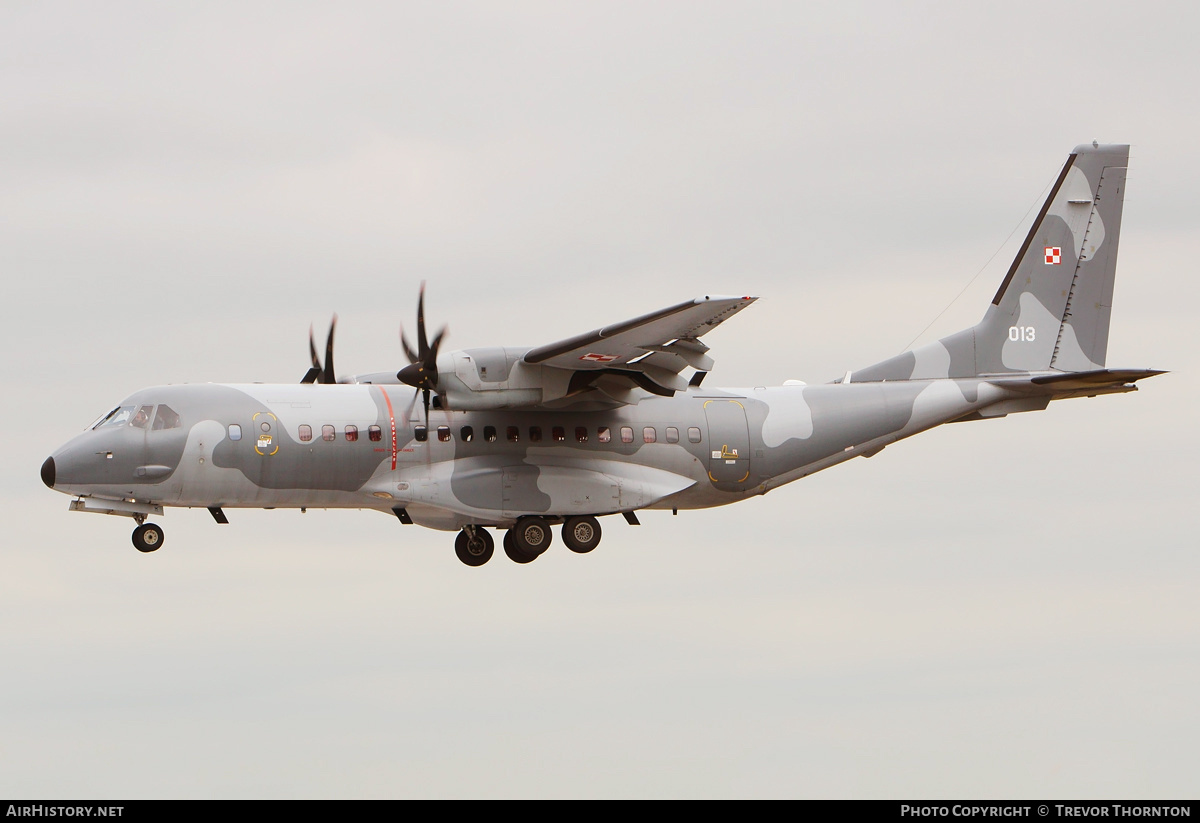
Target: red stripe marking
(392, 418)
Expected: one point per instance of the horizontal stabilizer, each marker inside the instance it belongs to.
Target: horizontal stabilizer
(1076, 384)
(1098, 378)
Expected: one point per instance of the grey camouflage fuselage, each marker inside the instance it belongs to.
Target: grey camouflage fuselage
(577, 429)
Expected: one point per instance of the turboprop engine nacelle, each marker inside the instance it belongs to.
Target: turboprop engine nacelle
(497, 378)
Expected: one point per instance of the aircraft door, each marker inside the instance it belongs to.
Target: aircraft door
(729, 444)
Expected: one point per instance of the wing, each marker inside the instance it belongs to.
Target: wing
(650, 351)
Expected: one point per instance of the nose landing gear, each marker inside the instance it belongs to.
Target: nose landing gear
(148, 537)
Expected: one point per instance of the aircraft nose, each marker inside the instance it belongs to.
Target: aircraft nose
(48, 472)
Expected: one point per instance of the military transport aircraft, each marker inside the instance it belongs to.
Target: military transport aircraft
(604, 423)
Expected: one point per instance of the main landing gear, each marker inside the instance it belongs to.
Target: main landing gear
(527, 540)
(581, 534)
(474, 546)
(515, 554)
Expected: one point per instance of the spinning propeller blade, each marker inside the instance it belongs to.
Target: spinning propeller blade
(421, 371)
(319, 373)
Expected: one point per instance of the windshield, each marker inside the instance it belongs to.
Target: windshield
(100, 420)
(117, 417)
(164, 417)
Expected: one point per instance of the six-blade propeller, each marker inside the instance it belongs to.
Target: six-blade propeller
(421, 373)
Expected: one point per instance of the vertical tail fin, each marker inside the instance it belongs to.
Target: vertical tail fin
(1052, 311)
(1059, 289)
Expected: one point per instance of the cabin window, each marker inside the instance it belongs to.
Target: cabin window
(467, 434)
(444, 434)
(305, 433)
(328, 433)
(672, 434)
(649, 435)
(604, 434)
(693, 434)
(489, 434)
(513, 434)
(142, 419)
(351, 434)
(374, 434)
(581, 434)
(535, 434)
(235, 431)
(420, 434)
(165, 419)
(626, 434)
(560, 434)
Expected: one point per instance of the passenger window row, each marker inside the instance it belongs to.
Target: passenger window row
(558, 434)
(329, 433)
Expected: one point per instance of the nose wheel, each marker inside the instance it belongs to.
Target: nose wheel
(148, 537)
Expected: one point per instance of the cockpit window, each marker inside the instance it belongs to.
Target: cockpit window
(96, 423)
(141, 420)
(166, 418)
(117, 417)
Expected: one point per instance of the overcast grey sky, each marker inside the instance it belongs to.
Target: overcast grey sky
(1004, 609)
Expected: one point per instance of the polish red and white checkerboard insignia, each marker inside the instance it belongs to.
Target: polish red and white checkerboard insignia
(599, 358)
(1053, 255)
